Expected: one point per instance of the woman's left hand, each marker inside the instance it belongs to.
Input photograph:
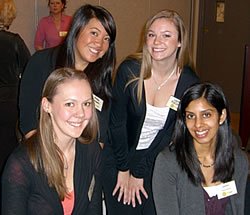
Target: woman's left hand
(135, 187)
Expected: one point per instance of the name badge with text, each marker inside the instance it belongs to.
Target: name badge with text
(98, 102)
(173, 103)
(227, 189)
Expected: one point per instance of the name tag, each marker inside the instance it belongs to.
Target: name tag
(98, 102)
(63, 33)
(227, 189)
(173, 103)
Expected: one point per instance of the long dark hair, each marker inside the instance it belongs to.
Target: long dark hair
(99, 72)
(183, 141)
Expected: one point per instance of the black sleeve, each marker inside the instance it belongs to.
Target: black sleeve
(95, 206)
(118, 115)
(23, 54)
(14, 188)
(32, 81)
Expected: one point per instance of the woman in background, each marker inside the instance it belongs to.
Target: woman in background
(57, 170)
(204, 170)
(90, 48)
(146, 92)
(52, 29)
(13, 59)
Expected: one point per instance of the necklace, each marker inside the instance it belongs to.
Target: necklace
(206, 166)
(164, 82)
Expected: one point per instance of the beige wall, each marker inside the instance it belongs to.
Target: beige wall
(130, 16)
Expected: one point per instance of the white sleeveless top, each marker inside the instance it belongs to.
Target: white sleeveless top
(154, 121)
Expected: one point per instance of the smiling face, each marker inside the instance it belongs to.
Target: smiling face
(92, 43)
(203, 121)
(162, 39)
(70, 109)
(56, 6)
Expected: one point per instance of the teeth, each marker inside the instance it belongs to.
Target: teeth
(201, 132)
(94, 50)
(158, 49)
(76, 124)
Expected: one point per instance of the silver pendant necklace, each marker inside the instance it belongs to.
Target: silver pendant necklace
(164, 82)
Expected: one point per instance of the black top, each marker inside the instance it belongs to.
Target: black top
(41, 64)
(14, 56)
(127, 117)
(25, 191)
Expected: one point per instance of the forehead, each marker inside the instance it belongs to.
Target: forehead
(199, 105)
(74, 88)
(163, 24)
(95, 23)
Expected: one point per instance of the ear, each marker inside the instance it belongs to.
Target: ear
(223, 116)
(45, 105)
(179, 44)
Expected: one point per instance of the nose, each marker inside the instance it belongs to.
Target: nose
(198, 122)
(80, 112)
(98, 41)
(157, 39)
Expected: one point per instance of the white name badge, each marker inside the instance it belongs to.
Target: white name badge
(227, 189)
(62, 33)
(173, 103)
(98, 102)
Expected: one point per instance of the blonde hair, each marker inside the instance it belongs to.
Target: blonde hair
(183, 56)
(44, 154)
(7, 13)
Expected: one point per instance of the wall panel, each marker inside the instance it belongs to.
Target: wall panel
(130, 16)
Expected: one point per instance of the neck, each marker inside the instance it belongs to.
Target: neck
(56, 16)
(163, 69)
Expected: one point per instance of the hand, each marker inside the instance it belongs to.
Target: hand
(122, 186)
(135, 187)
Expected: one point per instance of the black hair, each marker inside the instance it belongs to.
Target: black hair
(98, 72)
(183, 141)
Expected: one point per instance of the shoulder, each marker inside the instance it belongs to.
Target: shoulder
(128, 69)
(166, 159)
(189, 74)
(45, 19)
(66, 17)
(241, 160)
(88, 149)
(17, 162)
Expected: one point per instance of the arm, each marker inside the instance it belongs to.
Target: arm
(95, 205)
(241, 174)
(31, 85)
(164, 185)
(15, 187)
(40, 36)
(118, 128)
(23, 54)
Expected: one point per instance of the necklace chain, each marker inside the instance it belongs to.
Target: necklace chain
(207, 166)
(165, 81)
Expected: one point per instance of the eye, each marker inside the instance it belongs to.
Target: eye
(107, 38)
(94, 33)
(87, 104)
(69, 104)
(150, 35)
(190, 116)
(206, 115)
(166, 35)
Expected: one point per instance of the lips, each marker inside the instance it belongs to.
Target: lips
(201, 134)
(75, 124)
(158, 49)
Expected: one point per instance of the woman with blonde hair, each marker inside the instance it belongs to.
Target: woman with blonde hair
(146, 93)
(13, 59)
(56, 171)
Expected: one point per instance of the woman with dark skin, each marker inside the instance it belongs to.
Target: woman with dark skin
(89, 47)
(204, 170)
